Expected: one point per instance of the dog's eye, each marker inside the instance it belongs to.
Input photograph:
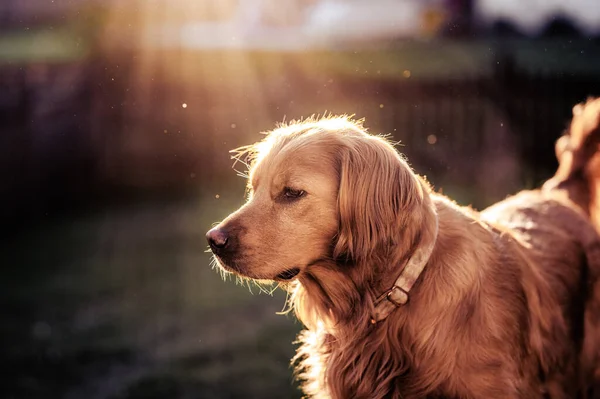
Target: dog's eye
(290, 193)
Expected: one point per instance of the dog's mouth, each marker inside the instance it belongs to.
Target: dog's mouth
(288, 274)
(233, 267)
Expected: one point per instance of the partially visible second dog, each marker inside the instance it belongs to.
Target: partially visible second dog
(405, 294)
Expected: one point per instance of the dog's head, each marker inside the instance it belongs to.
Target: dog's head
(321, 192)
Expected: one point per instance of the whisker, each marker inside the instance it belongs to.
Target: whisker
(287, 305)
(242, 174)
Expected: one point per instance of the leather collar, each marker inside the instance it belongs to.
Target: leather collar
(397, 296)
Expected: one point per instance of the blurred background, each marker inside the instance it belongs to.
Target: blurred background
(116, 118)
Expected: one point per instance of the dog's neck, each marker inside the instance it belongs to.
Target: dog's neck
(342, 295)
(398, 294)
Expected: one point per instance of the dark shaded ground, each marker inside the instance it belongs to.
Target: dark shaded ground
(123, 304)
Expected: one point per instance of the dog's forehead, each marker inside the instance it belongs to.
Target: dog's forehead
(297, 161)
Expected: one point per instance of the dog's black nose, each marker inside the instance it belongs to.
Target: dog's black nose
(217, 239)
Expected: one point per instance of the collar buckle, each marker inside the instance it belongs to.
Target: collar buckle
(397, 296)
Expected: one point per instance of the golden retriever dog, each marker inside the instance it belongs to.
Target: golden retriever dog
(405, 294)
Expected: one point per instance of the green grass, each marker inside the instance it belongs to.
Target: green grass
(435, 59)
(410, 60)
(417, 59)
(124, 304)
(42, 45)
(444, 58)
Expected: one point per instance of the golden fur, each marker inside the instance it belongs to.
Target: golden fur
(498, 311)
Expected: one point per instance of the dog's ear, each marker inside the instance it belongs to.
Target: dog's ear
(381, 201)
